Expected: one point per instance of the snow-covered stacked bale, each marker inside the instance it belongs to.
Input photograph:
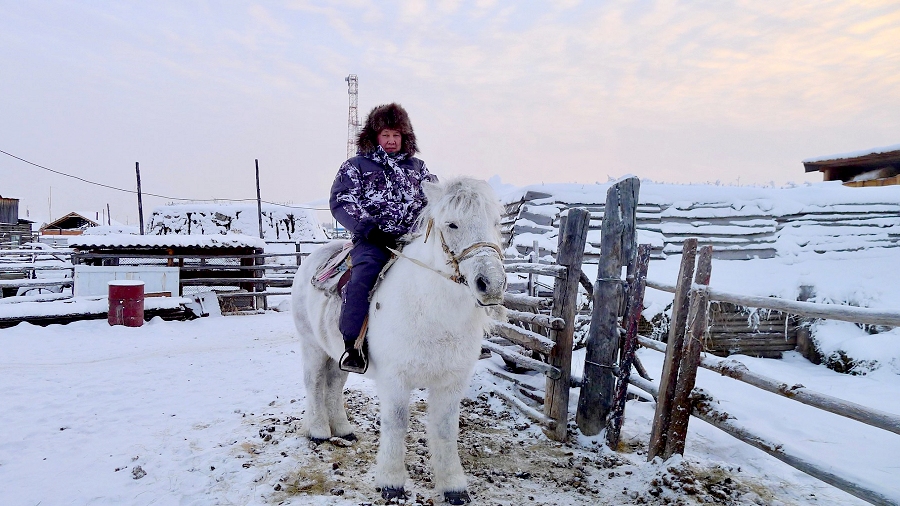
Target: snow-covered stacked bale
(740, 222)
(279, 223)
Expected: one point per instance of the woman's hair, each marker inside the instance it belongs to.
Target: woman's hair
(391, 116)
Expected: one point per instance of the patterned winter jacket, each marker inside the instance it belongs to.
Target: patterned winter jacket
(388, 195)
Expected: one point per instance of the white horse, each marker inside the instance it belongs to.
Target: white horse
(426, 322)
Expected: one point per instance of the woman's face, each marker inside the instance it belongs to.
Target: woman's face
(390, 140)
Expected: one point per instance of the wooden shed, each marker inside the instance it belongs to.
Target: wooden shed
(872, 167)
(70, 224)
(205, 262)
(13, 231)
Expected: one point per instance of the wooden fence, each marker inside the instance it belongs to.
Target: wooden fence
(558, 315)
(545, 326)
(23, 269)
(677, 400)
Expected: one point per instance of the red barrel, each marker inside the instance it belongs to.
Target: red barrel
(126, 302)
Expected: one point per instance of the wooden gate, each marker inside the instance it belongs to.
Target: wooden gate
(544, 327)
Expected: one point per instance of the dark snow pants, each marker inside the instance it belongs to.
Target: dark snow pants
(366, 261)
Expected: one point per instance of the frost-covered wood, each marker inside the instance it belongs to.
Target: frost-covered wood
(603, 335)
(522, 360)
(535, 415)
(557, 271)
(737, 370)
(673, 354)
(565, 295)
(690, 357)
(703, 408)
(522, 300)
(635, 305)
(525, 338)
(542, 320)
(810, 309)
(743, 223)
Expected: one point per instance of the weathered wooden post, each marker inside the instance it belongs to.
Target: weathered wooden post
(595, 399)
(635, 306)
(572, 236)
(698, 322)
(629, 189)
(674, 348)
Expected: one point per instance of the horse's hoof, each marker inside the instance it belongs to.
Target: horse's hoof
(349, 437)
(461, 497)
(393, 493)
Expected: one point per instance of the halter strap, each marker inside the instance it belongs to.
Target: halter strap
(452, 259)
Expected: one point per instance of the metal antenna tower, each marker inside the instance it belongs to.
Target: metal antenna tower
(352, 117)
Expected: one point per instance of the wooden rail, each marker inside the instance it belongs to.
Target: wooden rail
(734, 369)
(702, 407)
(670, 422)
(809, 309)
(34, 283)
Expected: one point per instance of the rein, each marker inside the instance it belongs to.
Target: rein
(452, 258)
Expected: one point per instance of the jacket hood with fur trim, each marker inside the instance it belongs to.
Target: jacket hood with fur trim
(394, 117)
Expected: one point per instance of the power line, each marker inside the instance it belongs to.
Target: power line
(152, 194)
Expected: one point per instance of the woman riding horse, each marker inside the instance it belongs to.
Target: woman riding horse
(377, 196)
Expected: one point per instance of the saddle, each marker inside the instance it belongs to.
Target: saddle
(334, 274)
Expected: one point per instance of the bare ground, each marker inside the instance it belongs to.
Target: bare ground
(507, 459)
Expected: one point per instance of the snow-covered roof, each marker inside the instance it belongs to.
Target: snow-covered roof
(165, 241)
(854, 154)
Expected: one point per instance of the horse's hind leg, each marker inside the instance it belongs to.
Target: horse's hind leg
(335, 379)
(315, 379)
(390, 471)
(443, 433)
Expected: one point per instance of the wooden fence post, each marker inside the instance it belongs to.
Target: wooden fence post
(595, 399)
(674, 348)
(629, 190)
(690, 360)
(635, 306)
(572, 237)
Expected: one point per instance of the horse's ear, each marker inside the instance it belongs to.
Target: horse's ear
(432, 191)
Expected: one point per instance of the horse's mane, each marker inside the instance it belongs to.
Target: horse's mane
(464, 196)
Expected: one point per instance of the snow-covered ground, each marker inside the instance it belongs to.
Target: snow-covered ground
(207, 412)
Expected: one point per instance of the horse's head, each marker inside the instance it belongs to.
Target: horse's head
(463, 214)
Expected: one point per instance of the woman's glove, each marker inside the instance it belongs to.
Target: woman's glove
(380, 238)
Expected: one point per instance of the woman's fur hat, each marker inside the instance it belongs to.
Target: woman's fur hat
(391, 116)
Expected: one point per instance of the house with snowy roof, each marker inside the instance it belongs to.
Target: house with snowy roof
(871, 167)
(70, 224)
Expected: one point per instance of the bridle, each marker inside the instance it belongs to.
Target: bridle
(453, 259)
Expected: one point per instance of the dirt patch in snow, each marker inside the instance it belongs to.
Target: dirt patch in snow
(507, 459)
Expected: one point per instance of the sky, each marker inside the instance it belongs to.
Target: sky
(533, 92)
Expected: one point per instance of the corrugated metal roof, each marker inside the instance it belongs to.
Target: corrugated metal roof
(165, 241)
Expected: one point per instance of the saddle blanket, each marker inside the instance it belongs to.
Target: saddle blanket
(332, 275)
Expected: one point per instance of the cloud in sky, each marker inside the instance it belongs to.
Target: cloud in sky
(532, 91)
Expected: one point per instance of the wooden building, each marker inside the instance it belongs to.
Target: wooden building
(226, 263)
(874, 167)
(70, 224)
(13, 231)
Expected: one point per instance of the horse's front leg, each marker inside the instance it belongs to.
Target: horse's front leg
(443, 433)
(390, 471)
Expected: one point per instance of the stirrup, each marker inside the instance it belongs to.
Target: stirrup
(353, 367)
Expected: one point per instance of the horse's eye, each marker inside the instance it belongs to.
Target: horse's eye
(452, 225)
